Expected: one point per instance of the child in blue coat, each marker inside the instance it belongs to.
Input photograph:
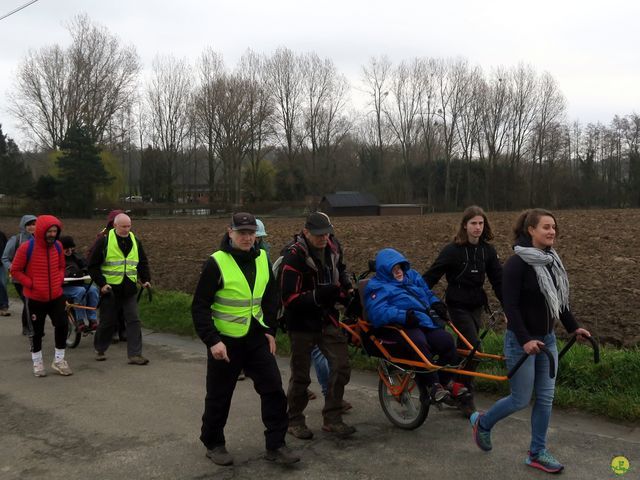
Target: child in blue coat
(397, 295)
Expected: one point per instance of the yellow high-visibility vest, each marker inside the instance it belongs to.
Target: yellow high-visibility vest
(116, 265)
(235, 304)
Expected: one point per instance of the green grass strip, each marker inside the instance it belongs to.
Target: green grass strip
(610, 388)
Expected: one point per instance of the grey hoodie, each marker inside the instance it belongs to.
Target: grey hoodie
(14, 242)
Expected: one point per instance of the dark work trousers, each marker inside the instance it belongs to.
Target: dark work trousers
(468, 322)
(25, 324)
(55, 310)
(251, 354)
(333, 345)
(429, 342)
(109, 308)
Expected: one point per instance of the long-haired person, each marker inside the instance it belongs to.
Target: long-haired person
(535, 297)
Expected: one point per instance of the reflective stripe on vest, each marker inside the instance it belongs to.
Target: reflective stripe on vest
(116, 265)
(235, 304)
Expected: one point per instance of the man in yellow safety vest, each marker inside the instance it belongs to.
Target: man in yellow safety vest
(234, 313)
(117, 264)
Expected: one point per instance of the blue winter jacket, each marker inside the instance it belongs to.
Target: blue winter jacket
(387, 300)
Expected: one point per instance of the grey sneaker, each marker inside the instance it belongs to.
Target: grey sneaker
(282, 455)
(62, 367)
(220, 456)
(300, 431)
(544, 461)
(100, 357)
(38, 369)
(481, 436)
(341, 429)
(138, 360)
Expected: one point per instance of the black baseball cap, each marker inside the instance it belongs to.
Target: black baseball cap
(243, 221)
(318, 223)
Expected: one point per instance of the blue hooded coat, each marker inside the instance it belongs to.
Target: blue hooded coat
(387, 300)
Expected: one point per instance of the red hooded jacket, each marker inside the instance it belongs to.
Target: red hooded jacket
(43, 276)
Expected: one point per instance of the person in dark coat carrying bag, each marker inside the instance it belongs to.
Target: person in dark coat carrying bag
(234, 313)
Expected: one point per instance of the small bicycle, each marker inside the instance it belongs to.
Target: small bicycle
(404, 401)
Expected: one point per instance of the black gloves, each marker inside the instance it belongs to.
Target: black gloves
(435, 318)
(327, 294)
(441, 310)
(411, 320)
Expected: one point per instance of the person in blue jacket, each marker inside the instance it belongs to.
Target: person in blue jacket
(397, 295)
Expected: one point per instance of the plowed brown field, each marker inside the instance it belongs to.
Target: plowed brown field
(600, 249)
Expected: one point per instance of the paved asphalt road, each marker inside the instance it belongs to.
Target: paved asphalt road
(111, 420)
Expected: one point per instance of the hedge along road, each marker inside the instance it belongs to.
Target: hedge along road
(111, 420)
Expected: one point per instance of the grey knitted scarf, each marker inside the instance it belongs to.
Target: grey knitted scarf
(557, 298)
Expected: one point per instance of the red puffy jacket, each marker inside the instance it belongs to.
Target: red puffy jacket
(42, 277)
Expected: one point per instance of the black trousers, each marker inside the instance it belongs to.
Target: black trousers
(55, 310)
(18, 288)
(251, 354)
(468, 322)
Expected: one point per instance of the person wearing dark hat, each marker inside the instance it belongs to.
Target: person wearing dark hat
(76, 290)
(234, 313)
(314, 278)
(116, 265)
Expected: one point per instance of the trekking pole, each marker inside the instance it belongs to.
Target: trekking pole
(29, 323)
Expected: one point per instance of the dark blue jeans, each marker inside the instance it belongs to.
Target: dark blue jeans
(4, 297)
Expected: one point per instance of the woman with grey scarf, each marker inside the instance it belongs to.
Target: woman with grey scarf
(535, 294)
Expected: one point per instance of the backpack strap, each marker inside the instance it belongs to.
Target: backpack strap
(32, 243)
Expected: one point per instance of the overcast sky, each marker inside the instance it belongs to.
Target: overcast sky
(590, 48)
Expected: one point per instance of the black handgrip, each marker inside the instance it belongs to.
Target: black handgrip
(594, 345)
(149, 294)
(523, 358)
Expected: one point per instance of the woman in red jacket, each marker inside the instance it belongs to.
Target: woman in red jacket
(39, 267)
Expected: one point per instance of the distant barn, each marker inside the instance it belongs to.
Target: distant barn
(349, 204)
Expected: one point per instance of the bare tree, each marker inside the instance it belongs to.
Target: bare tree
(210, 70)
(89, 83)
(403, 115)
(261, 116)
(376, 79)
(169, 99)
(285, 85)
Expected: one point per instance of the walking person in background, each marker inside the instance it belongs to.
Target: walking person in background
(4, 297)
(234, 314)
(117, 264)
(38, 266)
(27, 229)
(535, 297)
(120, 333)
(466, 262)
(314, 279)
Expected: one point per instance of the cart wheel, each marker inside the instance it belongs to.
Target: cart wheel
(406, 411)
(73, 335)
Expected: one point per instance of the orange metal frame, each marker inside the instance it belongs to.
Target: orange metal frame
(364, 327)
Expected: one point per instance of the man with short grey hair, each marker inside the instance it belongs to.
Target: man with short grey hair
(117, 264)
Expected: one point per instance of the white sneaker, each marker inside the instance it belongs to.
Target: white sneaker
(38, 369)
(62, 367)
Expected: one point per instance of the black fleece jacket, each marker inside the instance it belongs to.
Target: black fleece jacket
(525, 305)
(465, 267)
(211, 281)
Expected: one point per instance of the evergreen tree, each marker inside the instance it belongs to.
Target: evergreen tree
(15, 177)
(81, 171)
